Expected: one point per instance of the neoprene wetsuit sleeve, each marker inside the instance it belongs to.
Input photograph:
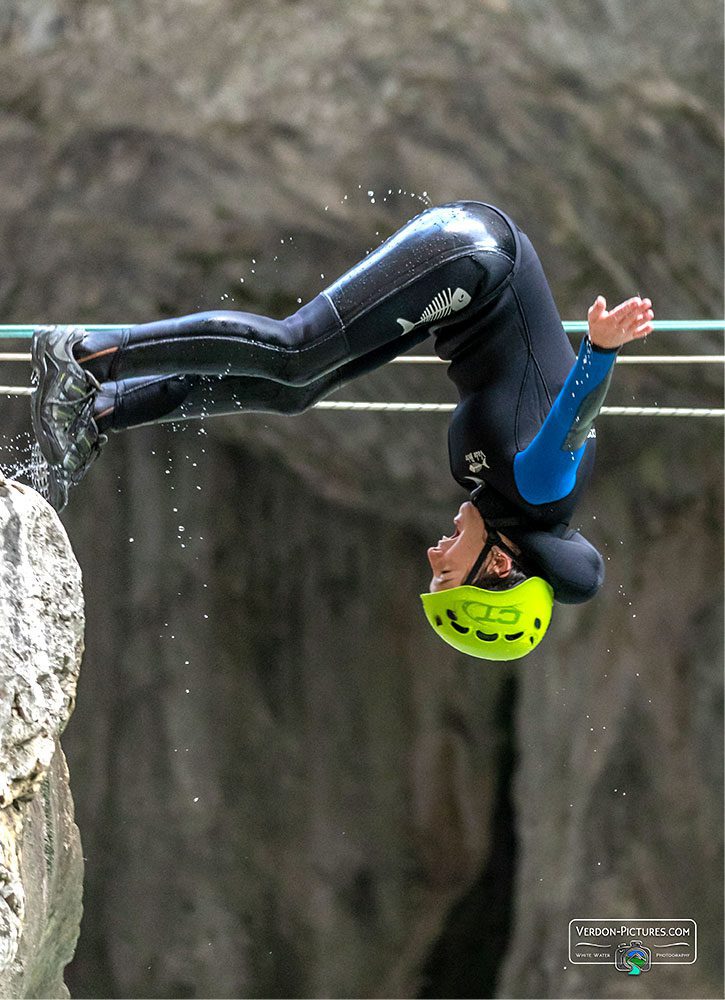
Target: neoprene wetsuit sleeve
(546, 470)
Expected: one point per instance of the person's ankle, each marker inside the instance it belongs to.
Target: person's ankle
(95, 353)
(104, 406)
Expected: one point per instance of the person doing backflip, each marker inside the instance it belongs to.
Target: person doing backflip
(521, 439)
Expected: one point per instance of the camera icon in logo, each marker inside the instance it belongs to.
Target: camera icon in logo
(633, 958)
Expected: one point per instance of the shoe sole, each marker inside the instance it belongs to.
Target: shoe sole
(48, 480)
(43, 434)
(55, 481)
(67, 443)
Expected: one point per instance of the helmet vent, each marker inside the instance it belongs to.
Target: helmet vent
(487, 636)
(537, 623)
(460, 628)
(439, 621)
(514, 635)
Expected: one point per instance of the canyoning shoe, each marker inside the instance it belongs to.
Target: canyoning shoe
(62, 410)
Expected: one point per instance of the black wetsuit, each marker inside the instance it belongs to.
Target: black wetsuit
(521, 437)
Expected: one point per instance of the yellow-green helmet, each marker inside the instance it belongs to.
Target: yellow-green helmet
(492, 624)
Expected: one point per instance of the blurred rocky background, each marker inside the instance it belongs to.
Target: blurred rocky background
(285, 785)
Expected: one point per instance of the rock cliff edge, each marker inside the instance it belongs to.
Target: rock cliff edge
(41, 628)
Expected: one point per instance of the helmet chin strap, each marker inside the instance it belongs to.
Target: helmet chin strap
(492, 539)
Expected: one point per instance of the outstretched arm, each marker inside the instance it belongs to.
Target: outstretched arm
(546, 470)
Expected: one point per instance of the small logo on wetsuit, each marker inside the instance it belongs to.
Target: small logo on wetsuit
(445, 303)
(477, 461)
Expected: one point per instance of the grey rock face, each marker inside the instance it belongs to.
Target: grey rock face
(41, 624)
(291, 770)
(284, 783)
(41, 630)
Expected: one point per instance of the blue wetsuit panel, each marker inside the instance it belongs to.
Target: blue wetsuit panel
(546, 470)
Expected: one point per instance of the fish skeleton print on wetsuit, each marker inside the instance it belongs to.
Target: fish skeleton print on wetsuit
(521, 439)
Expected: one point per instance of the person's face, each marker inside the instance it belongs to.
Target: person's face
(453, 557)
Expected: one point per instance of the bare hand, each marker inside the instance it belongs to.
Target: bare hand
(628, 321)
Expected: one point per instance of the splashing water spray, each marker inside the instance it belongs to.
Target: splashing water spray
(20, 456)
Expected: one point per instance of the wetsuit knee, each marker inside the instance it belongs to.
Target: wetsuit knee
(314, 341)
